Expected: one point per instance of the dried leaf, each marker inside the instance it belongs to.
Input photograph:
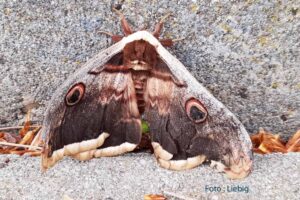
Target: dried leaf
(22, 152)
(10, 137)
(293, 144)
(265, 142)
(33, 153)
(26, 127)
(154, 197)
(272, 143)
(29, 136)
(4, 151)
(20, 144)
(37, 140)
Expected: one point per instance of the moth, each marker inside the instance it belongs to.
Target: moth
(97, 112)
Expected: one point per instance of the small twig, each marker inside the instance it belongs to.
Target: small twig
(21, 145)
(36, 140)
(18, 127)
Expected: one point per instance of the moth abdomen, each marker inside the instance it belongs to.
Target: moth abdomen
(139, 80)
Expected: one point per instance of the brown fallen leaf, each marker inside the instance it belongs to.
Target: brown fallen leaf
(26, 127)
(293, 145)
(154, 197)
(33, 153)
(37, 140)
(9, 137)
(21, 144)
(25, 151)
(265, 142)
(4, 151)
(29, 136)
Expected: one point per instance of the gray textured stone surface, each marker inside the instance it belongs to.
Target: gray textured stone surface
(275, 177)
(246, 53)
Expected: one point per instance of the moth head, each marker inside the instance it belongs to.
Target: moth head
(127, 30)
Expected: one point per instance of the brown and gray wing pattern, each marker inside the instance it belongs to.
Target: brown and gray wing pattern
(168, 122)
(188, 127)
(171, 127)
(108, 106)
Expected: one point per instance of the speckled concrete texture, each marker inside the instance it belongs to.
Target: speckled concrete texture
(245, 52)
(131, 176)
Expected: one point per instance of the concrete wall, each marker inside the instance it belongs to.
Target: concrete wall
(246, 53)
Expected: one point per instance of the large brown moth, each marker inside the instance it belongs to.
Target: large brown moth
(97, 112)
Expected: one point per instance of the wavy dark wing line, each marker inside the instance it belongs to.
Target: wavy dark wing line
(109, 105)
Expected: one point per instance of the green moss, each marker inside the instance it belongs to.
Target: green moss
(145, 127)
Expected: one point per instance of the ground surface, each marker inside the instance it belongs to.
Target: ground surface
(245, 52)
(132, 176)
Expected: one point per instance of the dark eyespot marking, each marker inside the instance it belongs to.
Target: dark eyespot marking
(195, 110)
(75, 94)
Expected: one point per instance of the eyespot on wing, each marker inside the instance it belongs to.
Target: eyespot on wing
(195, 110)
(75, 94)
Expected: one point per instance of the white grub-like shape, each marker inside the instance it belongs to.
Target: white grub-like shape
(159, 152)
(164, 159)
(73, 149)
(178, 165)
(105, 152)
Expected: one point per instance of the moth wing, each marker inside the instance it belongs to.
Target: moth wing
(105, 122)
(180, 143)
(169, 126)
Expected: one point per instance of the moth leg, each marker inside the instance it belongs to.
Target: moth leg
(125, 25)
(166, 42)
(157, 31)
(170, 42)
(159, 26)
(115, 38)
